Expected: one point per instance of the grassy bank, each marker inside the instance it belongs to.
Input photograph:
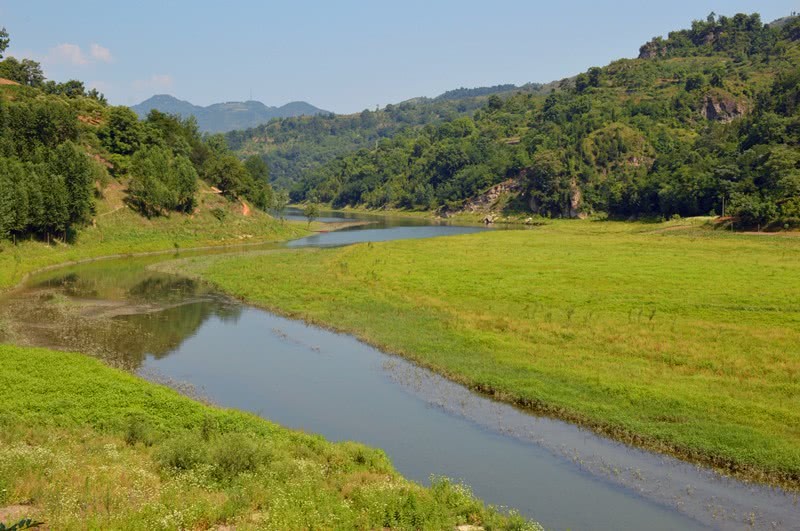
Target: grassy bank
(680, 339)
(86, 446)
(121, 231)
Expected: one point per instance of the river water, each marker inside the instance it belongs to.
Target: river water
(183, 332)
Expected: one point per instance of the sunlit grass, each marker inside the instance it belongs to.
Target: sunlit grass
(84, 446)
(680, 338)
(123, 231)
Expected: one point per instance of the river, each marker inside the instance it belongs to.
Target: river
(184, 333)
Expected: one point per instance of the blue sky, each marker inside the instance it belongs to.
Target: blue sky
(340, 55)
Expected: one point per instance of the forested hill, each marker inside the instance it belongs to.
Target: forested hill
(60, 146)
(707, 115)
(293, 147)
(224, 117)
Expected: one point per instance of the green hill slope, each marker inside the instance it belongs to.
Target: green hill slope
(292, 147)
(703, 117)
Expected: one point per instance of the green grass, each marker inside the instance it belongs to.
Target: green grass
(123, 231)
(681, 339)
(84, 446)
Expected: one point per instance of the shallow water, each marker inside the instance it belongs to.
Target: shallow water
(318, 381)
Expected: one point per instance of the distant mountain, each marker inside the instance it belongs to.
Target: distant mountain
(224, 117)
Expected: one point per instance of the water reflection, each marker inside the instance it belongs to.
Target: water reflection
(117, 311)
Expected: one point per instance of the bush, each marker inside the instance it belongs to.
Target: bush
(234, 453)
(137, 430)
(183, 452)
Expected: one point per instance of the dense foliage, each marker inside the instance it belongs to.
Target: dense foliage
(46, 180)
(705, 118)
(293, 147)
(59, 145)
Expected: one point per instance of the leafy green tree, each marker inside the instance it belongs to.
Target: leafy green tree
(257, 168)
(25, 72)
(227, 174)
(695, 81)
(548, 186)
(311, 212)
(162, 182)
(75, 168)
(594, 76)
(5, 40)
(122, 134)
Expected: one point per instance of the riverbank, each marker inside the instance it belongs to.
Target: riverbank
(681, 341)
(83, 445)
(122, 232)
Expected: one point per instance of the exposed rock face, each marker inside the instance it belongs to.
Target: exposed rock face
(487, 200)
(575, 201)
(653, 49)
(721, 108)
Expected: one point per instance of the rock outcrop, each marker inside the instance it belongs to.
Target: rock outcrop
(488, 199)
(721, 107)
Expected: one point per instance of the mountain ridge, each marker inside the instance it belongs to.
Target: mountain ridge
(225, 116)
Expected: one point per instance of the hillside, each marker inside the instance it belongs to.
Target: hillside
(293, 147)
(62, 148)
(224, 117)
(702, 118)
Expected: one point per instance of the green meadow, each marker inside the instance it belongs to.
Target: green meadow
(122, 231)
(675, 337)
(97, 448)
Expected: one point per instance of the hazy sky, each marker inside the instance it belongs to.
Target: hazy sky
(340, 55)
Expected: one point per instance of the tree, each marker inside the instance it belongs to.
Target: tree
(311, 212)
(227, 174)
(548, 185)
(257, 168)
(75, 168)
(581, 82)
(594, 76)
(5, 40)
(162, 182)
(25, 72)
(695, 81)
(183, 178)
(96, 95)
(122, 134)
(279, 201)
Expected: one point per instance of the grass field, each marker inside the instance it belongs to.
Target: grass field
(678, 338)
(84, 446)
(121, 231)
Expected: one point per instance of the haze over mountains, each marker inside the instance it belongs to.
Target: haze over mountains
(224, 117)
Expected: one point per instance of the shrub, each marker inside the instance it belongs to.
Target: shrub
(234, 453)
(137, 430)
(183, 452)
